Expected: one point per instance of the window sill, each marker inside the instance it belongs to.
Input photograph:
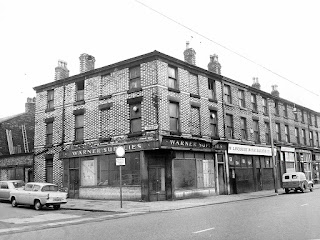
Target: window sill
(243, 108)
(134, 90)
(197, 136)
(229, 104)
(105, 97)
(215, 138)
(277, 115)
(77, 103)
(212, 100)
(175, 133)
(106, 139)
(194, 95)
(49, 110)
(48, 145)
(255, 111)
(136, 134)
(173, 90)
(76, 142)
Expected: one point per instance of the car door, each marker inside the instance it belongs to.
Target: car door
(24, 196)
(4, 191)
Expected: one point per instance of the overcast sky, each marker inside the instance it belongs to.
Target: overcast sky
(280, 38)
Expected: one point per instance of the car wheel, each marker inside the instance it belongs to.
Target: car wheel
(287, 190)
(56, 207)
(311, 188)
(37, 205)
(13, 202)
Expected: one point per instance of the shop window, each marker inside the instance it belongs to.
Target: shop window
(214, 123)
(79, 127)
(49, 170)
(212, 89)
(174, 116)
(50, 99)
(229, 126)
(243, 126)
(185, 174)
(16, 173)
(241, 98)
(172, 78)
(134, 78)
(88, 172)
(195, 121)
(135, 117)
(80, 90)
(49, 133)
(227, 94)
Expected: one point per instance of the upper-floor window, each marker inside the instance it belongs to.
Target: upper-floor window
(243, 128)
(267, 132)
(297, 135)
(134, 78)
(315, 120)
(265, 105)
(285, 110)
(135, 117)
(229, 126)
(241, 98)
(49, 133)
(174, 116)
(195, 121)
(278, 132)
(172, 77)
(286, 133)
(80, 90)
(309, 115)
(212, 89)
(256, 131)
(214, 123)
(79, 127)
(302, 116)
(50, 99)
(295, 113)
(304, 139)
(317, 140)
(254, 102)
(194, 84)
(227, 94)
(276, 107)
(311, 138)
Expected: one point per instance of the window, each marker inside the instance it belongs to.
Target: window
(317, 140)
(50, 99)
(315, 121)
(135, 117)
(195, 121)
(229, 126)
(302, 116)
(311, 138)
(296, 134)
(79, 127)
(49, 170)
(49, 133)
(80, 90)
(172, 78)
(285, 110)
(227, 94)
(134, 78)
(194, 84)
(309, 115)
(174, 116)
(4, 185)
(212, 89)
(214, 123)
(276, 107)
(267, 132)
(304, 139)
(265, 105)
(286, 133)
(295, 113)
(278, 133)
(256, 131)
(254, 102)
(243, 128)
(241, 98)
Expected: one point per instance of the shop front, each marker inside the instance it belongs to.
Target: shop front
(287, 159)
(304, 162)
(316, 167)
(250, 168)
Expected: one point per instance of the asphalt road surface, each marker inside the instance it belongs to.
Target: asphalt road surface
(287, 216)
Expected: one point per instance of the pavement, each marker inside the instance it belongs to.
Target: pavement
(159, 206)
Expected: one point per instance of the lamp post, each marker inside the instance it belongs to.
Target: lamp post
(272, 151)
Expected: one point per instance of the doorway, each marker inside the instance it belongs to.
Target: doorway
(73, 189)
(157, 190)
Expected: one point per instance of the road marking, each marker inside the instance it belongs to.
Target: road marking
(208, 229)
(39, 218)
(304, 204)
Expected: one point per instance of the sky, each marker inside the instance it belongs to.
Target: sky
(276, 41)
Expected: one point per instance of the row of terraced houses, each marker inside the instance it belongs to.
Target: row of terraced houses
(186, 131)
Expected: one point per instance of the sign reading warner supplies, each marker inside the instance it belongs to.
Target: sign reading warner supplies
(249, 150)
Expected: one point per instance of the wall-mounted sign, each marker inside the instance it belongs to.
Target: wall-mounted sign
(184, 143)
(287, 149)
(248, 150)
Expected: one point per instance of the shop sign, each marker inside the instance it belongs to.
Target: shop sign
(219, 146)
(287, 149)
(181, 143)
(248, 150)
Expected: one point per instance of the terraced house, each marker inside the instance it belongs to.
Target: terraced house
(187, 131)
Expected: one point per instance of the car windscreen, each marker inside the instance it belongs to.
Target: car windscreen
(18, 184)
(50, 188)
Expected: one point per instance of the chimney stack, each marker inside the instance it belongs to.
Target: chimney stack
(61, 71)
(256, 83)
(275, 91)
(214, 65)
(189, 55)
(86, 62)
(30, 105)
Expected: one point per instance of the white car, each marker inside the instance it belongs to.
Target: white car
(7, 186)
(38, 195)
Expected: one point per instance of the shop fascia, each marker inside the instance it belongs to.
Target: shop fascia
(249, 150)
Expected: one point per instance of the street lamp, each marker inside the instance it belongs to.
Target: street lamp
(272, 151)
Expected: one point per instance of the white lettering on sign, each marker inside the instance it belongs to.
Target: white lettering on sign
(249, 150)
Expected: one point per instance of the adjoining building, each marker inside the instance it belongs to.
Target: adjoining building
(16, 144)
(187, 131)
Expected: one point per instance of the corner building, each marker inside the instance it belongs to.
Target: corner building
(183, 128)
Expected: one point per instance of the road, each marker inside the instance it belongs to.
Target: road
(287, 216)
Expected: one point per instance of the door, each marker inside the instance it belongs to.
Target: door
(74, 183)
(221, 179)
(157, 190)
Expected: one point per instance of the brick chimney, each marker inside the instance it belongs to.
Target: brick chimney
(30, 105)
(61, 71)
(86, 62)
(214, 65)
(275, 91)
(256, 83)
(190, 55)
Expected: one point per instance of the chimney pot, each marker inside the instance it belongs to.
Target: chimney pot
(275, 91)
(190, 55)
(86, 62)
(214, 65)
(256, 83)
(61, 70)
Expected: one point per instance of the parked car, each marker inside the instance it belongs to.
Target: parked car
(296, 181)
(7, 186)
(38, 195)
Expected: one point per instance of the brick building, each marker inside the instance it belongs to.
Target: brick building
(187, 131)
(16, 144)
